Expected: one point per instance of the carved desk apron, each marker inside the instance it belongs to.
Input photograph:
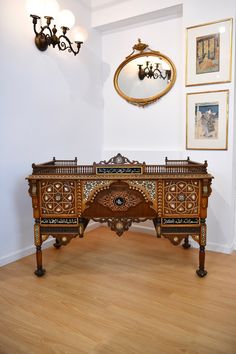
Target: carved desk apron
(65, 196)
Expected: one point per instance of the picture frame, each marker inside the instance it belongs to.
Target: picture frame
(207, 120)
(209, 53)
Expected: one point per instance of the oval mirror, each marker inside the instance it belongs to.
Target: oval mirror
(144, 77)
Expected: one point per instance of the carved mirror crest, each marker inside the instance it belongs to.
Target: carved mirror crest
(144, 77)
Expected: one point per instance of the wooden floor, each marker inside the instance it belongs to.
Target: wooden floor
(109, 295)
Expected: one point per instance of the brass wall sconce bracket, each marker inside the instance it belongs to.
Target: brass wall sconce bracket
(48, 36)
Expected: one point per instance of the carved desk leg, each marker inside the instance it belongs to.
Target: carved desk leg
(38, 243)
(201, 272)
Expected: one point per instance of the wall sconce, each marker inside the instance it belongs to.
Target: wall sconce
(150, 73)
(48, 36)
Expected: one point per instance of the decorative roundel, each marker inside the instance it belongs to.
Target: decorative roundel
(119, 201)
(181, 197)
(119, 159)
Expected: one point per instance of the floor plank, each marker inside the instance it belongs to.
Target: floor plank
(108, 295)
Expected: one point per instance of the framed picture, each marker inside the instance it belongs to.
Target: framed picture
(207, 120)
(209, 53)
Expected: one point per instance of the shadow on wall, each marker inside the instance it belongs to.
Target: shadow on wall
(106, 72)
(81, 76)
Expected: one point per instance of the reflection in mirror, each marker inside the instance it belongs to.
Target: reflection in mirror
(144, 77)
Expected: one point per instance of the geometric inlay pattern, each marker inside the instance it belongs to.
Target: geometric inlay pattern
(149, 187)
(181, 197)
(93, 186)
(58, 197)
(119, 200)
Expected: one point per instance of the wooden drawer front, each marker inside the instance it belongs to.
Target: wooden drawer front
(120, 199)
(58, 197)
(181, 197)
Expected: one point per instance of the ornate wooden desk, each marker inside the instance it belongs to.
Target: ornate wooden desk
(65, 196)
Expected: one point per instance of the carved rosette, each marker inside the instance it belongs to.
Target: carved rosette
(175, 240)
(119, 225)
(63, 239)
(195, 238)
(119, 200)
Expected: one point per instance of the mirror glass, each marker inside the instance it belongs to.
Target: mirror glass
(144, 77)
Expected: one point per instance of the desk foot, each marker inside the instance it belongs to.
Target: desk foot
(39, 272)
(201, 272)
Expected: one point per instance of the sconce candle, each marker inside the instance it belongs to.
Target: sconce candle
(48, 36)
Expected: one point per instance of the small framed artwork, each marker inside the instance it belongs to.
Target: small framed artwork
(207, 120)
(209, 53)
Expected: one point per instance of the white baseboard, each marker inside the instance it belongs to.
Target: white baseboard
(142, 228)
(228, 249)
(23, 252)
(211, 246)
(14, 256)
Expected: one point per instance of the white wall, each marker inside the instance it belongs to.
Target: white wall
(151, 128)
(159, 130)
(51, 105)
(105, 12)
(221, 229)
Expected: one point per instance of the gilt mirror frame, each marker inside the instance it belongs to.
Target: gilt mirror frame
(144, 51)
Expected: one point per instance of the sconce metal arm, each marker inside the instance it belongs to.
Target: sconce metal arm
(62, 45)
(35, 20)
(42, 40)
